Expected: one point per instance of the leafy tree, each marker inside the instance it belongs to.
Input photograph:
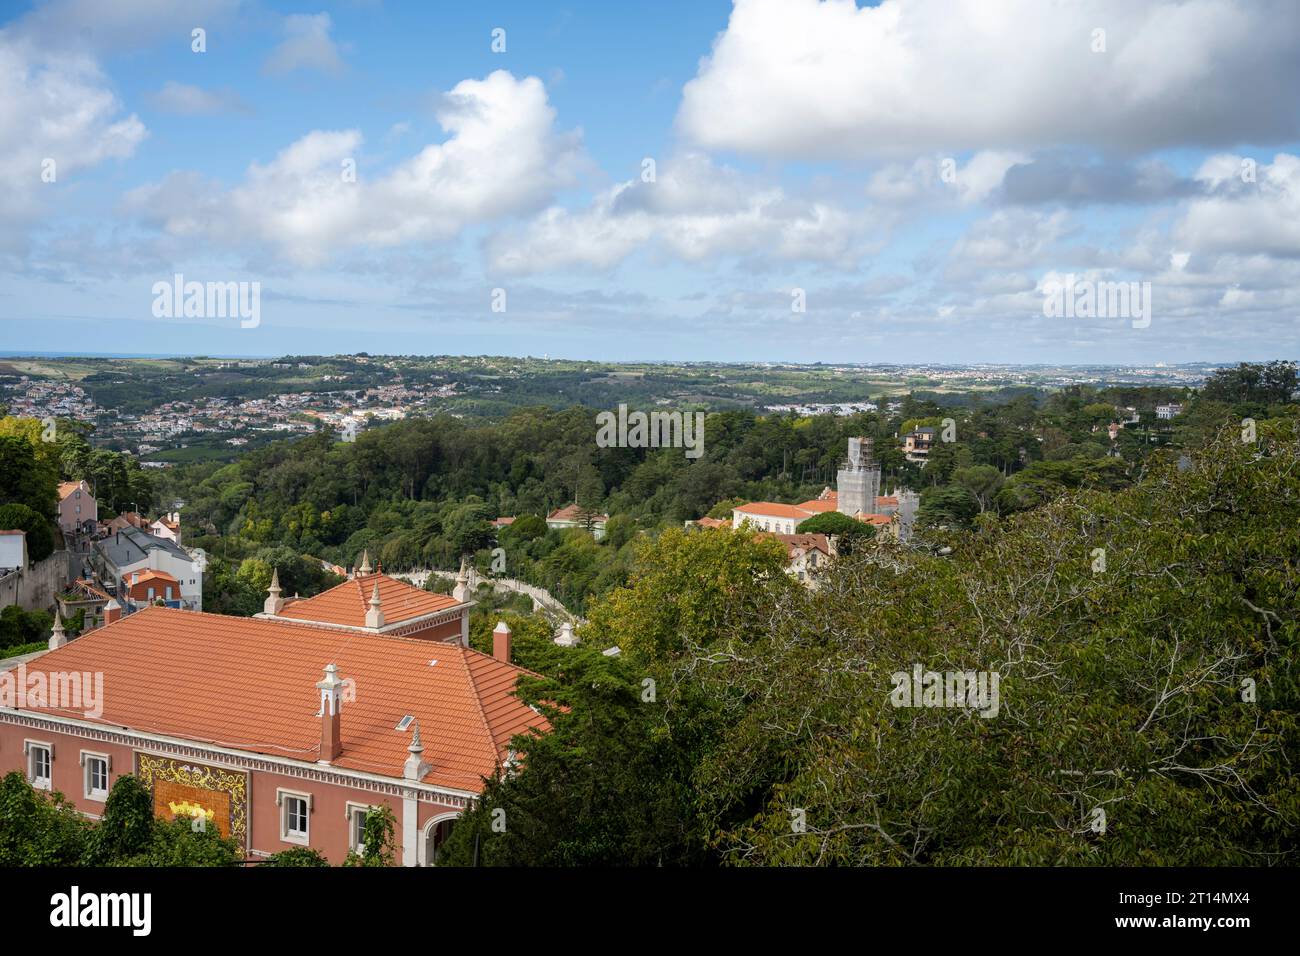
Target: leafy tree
(36, 828)
(296, 856)
(684, 588)
(377, 838)
(1267, 383)
(40, 529)
(953, 506)
(126, 828)
(851, 533)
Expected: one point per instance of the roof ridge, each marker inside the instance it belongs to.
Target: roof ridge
(478, 704)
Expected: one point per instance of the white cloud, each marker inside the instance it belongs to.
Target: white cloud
(307, 46)
(189, 100)
(936, 178)
(1247, 212)
(694, 210)
(502, 157)
(802, 78)
(54, 107)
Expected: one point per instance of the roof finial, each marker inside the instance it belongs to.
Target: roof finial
(365, 562)
(57, 637)
(274, 604)
(375, 616)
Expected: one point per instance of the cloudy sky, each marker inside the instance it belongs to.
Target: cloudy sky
(686, 179)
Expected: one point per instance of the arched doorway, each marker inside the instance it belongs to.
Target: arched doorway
(436, 832)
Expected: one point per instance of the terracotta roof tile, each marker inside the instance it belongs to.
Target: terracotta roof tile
(250, 684)
(348, 602)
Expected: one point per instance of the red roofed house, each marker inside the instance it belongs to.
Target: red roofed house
(76, 506)
(149, 585)
(807, 553)
(574, 516)
(168, 526)
(282, 729)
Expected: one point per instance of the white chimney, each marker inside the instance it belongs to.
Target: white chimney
(331, 705)
(566, 638)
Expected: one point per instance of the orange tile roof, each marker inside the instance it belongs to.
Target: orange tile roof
(713, 522)
(801, 542)
(348, 602)
(773, 509)
(886, 500)
(68, 487)
(818, 505)
(250, 684)
(571, 513)
(144, 577)
(874, 519)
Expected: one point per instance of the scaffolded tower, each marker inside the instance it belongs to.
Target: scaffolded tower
(858, 482)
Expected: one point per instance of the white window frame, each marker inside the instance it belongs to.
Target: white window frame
(282, 798)
(351, 811)
(88, 757)
(29, 750)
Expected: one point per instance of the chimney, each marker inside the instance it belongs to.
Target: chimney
(501, 642)
(375, 616)
(273, 604)
(112, 611)
(331, 702)
(566, 638)
(57, 637)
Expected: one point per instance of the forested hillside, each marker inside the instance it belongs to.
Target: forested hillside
(422, 492)
(1146, 645)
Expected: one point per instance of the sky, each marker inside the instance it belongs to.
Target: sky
(912, 181)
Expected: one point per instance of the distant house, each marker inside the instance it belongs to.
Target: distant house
(127, 519)
(13, 550)
(917, 444)
(771, 516)
(82, 595)
(1167, 412)
(499, 523)
(709, 523)
(574, 516)
(147, 586)
(168, 526)
(807, 553)
(131, 549)
(77, 506)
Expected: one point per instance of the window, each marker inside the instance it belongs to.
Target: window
(40, 758)
(357, 827)
(294, 810)
(96, 772)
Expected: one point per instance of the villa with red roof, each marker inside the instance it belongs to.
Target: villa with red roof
(283, 730)
(78, 509)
